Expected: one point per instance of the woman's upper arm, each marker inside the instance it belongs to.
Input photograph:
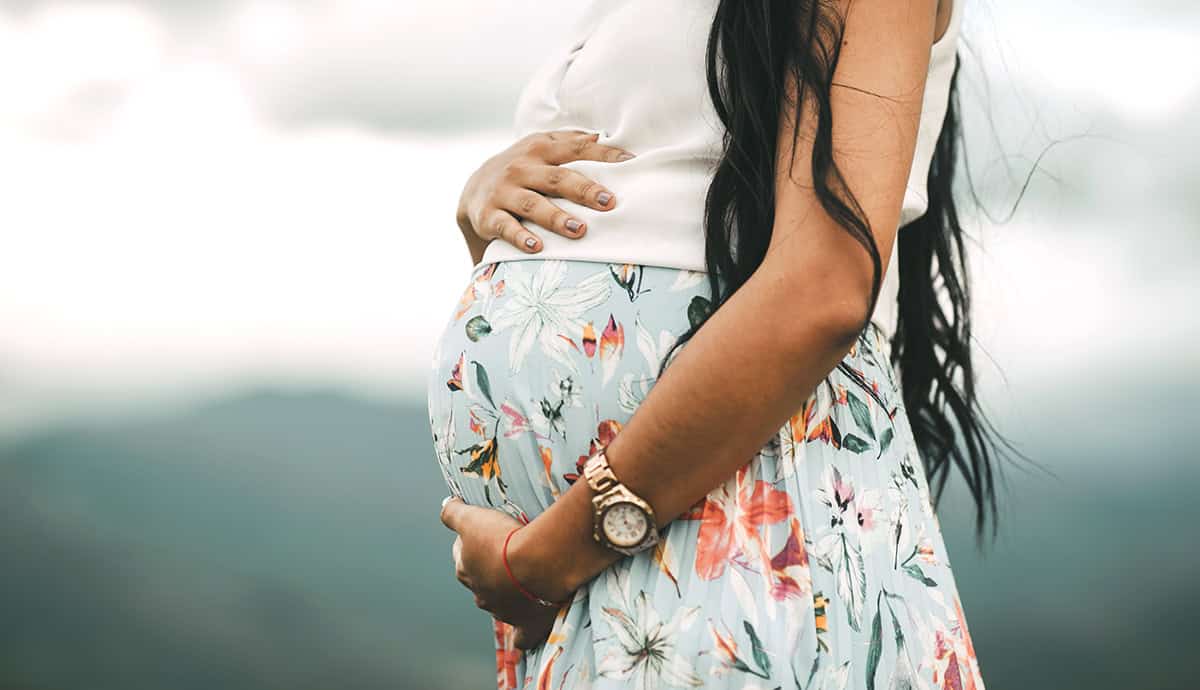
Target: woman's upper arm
(879, 84)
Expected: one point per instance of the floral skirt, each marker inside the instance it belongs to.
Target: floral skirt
(819, 564)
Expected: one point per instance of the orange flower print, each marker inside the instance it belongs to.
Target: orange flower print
(484, 461)
(606, 431)
(789, 567)
(842, 395)
(465, 302)
(507, 655)
(589, 340)
(954, 664)
(478, 289)
(731, 517)
(726, 652)
(546, 674)
(455, 383)
(817, 564)
(629, 277)
(547, 454)
(815, 421)
(970, 663)
(612, 346)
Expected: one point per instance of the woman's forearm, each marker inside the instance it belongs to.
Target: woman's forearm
(729, 389)
(762, 354)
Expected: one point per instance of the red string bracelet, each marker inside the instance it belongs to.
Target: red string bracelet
(528, 595)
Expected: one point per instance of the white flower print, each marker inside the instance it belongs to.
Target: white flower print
(686, 279)
(540, 309)
(808, 424)
(874, 524)
(838, 677)
(850, 588)
(635, 386)
(443, 446)
(837, 494)
(836, 551)
(903, 676)
(566, 389)
(644, 650)
(548, 414)
(897, 519)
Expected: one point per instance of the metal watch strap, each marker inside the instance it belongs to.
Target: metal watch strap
(601, 479)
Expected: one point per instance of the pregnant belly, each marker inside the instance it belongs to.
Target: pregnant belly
(542, 362)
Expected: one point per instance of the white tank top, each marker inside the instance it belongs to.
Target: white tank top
(633, 71)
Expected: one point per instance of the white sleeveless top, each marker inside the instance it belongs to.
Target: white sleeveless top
(633, 71)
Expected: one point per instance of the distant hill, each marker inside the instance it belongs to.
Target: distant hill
(280, 540)
(266, 541)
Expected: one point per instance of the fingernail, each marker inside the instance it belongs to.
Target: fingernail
(573, 225)
(625, 156)
(603, 198)
(530, 242)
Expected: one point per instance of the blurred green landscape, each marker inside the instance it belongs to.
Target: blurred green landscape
(291, 540)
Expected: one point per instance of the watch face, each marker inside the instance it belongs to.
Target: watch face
(625, 524)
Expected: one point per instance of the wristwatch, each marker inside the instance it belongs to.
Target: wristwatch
(623, 521)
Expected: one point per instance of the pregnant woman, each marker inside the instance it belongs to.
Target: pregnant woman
(665, 405)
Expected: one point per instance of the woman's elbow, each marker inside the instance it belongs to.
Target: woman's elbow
(834, 319)
(847, 317)
(835, 301)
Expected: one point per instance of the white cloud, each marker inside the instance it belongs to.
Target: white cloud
(54, 59)
(179, 237)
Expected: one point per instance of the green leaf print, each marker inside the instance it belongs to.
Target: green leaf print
(485, 386)
(477, 328)
(915, 571)
(897, 631)
(760, 654)
(862, 414)
(698, 309)
(876, 648)
(835, 432)
(855, 444)
(885, 440)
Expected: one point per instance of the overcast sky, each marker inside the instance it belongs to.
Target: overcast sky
(210, 193)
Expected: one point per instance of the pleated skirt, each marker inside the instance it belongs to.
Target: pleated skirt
(819, 564)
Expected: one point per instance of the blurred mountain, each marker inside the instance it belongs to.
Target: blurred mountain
(279, 540)
(266, 541)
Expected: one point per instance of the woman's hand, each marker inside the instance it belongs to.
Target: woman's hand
(479, 566)
(515, 183)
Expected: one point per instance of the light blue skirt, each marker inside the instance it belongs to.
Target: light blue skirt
(819, 565)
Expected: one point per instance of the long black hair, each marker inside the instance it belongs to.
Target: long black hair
(753, 49)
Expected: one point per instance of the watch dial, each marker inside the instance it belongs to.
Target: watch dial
(625, 524)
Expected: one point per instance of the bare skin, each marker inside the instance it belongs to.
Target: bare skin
(711, 411)
(514, 184)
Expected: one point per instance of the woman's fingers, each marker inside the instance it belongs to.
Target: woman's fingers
(524, 182)
(460, 572)
(560, 147)
(502, 225)
(534, 633)
(452, 507)
(529, 204)
(556, 181)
